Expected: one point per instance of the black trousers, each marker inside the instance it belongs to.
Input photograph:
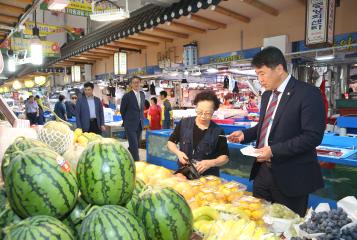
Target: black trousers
(134, 137)
(32, 117)
(93, 127)
(264, 187)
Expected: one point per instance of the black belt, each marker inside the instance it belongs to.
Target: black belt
(93, 119)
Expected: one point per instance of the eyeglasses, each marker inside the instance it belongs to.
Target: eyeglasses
(204, 114)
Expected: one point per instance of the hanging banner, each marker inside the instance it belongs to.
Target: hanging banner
(79, 7)
(229, 56)
(320, 23)
(50, 49)
(45, 29)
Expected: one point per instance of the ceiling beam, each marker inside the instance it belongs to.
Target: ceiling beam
(186, 27)
(206, 21)
(303, 2)
(160, 38)
(9, 8)
(8, 19)
(24, 1)
(142, 41)
(229, 13)
(83, 56)
(96, 50)
(129, 45)
(171, 33)
(108, 48)
(75, 60)
(95, 55)
(262, 6)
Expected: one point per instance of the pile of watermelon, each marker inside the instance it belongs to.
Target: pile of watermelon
(44, 198)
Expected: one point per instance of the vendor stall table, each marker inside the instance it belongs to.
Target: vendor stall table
(339, 172)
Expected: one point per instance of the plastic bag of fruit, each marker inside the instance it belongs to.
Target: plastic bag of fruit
(280, 218)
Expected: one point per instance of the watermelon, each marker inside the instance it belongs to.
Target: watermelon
(7, 217)
(74, 219)
(2, 196)
(111, 222)
(20, 144)
(165, 214)
(132, 205)
(39, 228)
(38, 183)
(139, 186)
(106, 173)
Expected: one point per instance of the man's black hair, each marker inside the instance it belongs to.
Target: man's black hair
(270, 57)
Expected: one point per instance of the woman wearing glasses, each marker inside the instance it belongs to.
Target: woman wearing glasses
(199, 138)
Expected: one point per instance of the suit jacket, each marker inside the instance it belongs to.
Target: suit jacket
(297, 130)
(132, 115)
(83, 115)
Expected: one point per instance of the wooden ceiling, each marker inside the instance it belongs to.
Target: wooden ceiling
(10, 13)
(227, 12)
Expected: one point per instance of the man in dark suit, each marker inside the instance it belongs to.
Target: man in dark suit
(89, 111)
(132, 112)
(292, 123)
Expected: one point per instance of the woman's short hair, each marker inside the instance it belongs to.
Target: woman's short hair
(61, 98)
(207, 96)
(154, 99)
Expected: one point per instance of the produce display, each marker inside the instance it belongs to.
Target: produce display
(92, 189)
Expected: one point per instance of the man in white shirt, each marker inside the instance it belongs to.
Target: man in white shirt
(291, 126)
(132, 112)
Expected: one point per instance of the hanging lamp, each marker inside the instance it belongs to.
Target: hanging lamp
(114, 13)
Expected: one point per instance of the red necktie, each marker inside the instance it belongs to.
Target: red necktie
(268, 118)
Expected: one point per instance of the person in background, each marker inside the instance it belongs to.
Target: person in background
(200, 138)
(60, 108)
(31, 110)
(89, 111)
(166, 111)
(71, 106)
(154, 114)
(41, 117)
(132, 111)
(252, 104)
(146, 108)
(291, 126)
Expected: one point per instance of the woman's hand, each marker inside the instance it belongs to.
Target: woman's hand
(182, 157)
(204, 165)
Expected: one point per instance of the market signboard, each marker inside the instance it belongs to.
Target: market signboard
(78, 7)
(229, 57)
(45, 29)
(320, 23)
(50, 49)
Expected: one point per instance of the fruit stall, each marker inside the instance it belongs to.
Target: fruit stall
(337, 156)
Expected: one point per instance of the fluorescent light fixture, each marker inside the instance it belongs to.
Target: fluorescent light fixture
(250, 72)
(174, 74)
(29, 84)
(57, 5)
(36, 51)
(196, 73)
(212, 70)
(17, 85)
(40, 80)
(324, 57)
(11, 65)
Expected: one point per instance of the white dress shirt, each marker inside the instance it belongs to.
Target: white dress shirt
(281, 89)
(137, 95)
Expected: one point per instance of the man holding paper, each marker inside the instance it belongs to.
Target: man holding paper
(291, 126)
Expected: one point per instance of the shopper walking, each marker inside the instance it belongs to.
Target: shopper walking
(71, 106)
(132, 111)
(60, 108)
(31, 110)
(89, 111)
(41, 117)
(154, 114)
(291, 126)
(166, 116)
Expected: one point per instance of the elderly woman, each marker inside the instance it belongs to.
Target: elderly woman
(200, 138)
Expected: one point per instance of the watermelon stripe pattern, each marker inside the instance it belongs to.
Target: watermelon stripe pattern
(20, 144)
(106, 173)
(165, 214)
(37, 185)
(111, 222)
(39, 228)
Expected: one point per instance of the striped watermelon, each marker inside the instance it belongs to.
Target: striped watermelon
(7, 217)
(106, 173)
(165, 214)
(74, 219)
(39, 228)
(20, 144)
(2, 196)
(111, 222)
(139, 186)
(37, 185)
(133, 205)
